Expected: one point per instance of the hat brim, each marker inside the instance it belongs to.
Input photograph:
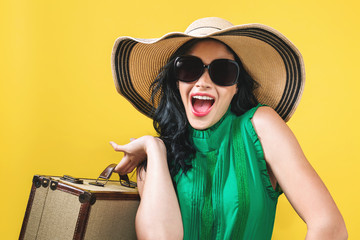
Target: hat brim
(267, 55)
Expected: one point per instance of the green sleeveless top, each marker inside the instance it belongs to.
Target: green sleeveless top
(227, 194)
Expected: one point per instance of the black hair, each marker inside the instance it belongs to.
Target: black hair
(170, 119)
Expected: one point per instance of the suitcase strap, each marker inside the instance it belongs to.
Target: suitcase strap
(106, 174)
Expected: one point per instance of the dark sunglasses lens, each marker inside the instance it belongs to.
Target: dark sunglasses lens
(188, 69)
(224, 72)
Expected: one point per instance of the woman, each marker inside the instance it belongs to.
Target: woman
(221, 159)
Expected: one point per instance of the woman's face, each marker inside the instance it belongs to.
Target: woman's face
(205, 102)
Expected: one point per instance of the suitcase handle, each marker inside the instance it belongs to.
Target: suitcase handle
(106, 174)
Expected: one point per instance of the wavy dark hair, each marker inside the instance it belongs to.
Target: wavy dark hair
(170, 119)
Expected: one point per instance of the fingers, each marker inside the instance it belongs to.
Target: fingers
(119, 168)
(117, 147)
(120, 147)
(125, 166)
(131, 156)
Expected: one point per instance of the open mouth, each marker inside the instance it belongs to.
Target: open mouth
(201, 105)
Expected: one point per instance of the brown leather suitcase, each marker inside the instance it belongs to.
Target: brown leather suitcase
(69, 208)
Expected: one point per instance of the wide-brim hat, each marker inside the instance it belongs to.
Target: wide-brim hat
(267, 55)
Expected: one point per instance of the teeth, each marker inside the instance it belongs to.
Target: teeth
(203, 97)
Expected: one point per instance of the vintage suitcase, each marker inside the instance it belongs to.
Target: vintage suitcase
(70, 208)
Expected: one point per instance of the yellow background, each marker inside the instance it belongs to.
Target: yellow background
(59, 107)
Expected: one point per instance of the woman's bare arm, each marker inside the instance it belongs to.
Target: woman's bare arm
(158, 216)
(299, 181)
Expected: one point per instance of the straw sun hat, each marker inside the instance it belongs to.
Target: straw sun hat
(267, 55)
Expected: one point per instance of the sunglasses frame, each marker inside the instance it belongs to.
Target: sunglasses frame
(219, 83)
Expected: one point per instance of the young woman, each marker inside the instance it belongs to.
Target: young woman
(222, 157)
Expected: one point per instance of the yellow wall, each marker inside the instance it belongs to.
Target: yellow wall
(59, 108)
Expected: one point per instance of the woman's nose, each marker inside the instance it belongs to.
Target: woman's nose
(204, 81)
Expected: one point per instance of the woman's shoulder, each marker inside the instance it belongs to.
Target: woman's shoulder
(262, 120)
(271, 130)
(266, 115)
(260, 113)
(265, 120)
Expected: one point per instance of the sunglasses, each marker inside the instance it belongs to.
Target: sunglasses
(223, 72)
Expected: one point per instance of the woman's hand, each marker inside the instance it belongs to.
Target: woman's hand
(135, 152)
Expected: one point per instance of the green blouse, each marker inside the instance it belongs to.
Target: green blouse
(227, 194)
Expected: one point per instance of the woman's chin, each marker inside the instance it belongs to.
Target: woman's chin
(199, 126)
(201, 123)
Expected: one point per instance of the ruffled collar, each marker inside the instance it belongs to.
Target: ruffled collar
(210, 139)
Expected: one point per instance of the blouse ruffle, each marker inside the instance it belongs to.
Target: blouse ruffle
(273, 193)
